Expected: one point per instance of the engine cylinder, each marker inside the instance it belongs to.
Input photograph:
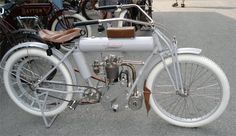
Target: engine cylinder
(112, 72)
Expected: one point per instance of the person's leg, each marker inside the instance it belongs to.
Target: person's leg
(183, 5)
(110, 13)
(103, 13)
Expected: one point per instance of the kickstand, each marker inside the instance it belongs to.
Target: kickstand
(48, 121)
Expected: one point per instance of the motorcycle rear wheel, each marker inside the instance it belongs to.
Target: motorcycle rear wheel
(26, 67)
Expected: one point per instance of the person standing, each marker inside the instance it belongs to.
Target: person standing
(109, 13)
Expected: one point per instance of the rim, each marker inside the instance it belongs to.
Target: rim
(202, 92)
(25, 74)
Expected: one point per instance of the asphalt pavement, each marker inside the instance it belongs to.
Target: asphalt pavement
(206, 24)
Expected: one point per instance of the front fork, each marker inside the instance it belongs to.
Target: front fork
(174, 75)
(176, 67)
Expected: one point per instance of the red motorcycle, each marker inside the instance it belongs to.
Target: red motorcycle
(10, 36)
(41, 15)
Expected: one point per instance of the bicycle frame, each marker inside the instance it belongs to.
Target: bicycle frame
(78, 55)
(151, 43)
(120, 45)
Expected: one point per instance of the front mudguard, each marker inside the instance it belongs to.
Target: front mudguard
(194, 51)
(43, 46)
(147, 89)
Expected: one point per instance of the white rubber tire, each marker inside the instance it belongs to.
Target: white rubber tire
(41, 53)
(206, 63)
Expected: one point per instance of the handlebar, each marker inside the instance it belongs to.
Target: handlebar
(106, 7)
(88, 22)
(125, 6)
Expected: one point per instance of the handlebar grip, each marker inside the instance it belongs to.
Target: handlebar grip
(88, 22)
(107, 7)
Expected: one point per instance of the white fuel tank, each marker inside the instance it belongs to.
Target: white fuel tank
(115, 44)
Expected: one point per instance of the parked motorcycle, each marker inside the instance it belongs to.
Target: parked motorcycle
(181, 86)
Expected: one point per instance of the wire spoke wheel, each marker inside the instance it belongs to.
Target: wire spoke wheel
(204, 96)
(27, 67)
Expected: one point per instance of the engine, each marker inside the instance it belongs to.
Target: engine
(119, 76)
(114, 70)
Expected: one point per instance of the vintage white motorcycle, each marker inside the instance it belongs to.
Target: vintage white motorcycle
(182, 87)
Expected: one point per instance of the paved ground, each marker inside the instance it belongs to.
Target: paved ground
(206, 24)
(224, 7)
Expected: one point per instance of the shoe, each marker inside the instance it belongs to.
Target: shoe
(175, 4)
(182, 5)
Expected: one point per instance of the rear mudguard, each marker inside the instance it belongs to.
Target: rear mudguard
(42, 46)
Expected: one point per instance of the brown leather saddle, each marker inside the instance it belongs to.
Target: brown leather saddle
(60, 36)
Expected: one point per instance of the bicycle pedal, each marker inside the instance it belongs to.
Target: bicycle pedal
(73, 104)
(87, 101)
(115, 107)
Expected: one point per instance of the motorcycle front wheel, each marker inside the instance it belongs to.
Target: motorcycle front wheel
(205, 94)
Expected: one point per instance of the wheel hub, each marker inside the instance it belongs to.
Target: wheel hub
(183, 93)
